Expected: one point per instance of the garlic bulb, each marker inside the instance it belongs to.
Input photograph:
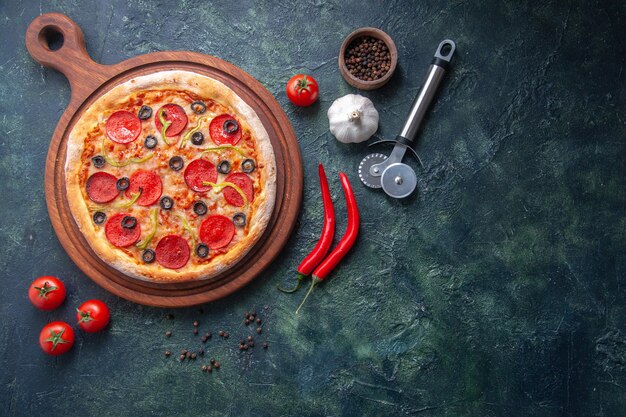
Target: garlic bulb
(352, 118)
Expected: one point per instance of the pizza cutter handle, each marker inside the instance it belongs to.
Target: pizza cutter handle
(425, 95)
(56, 41)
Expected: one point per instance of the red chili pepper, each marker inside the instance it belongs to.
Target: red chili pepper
(344, 245)
(320, 250)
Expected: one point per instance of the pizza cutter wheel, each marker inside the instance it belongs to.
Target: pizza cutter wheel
(368, 173)
(396, 178)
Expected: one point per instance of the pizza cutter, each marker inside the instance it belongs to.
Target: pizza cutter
(396, 178)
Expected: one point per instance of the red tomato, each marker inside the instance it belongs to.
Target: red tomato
(302, 90)
(93, 316)
(46, 293)
(56, 338)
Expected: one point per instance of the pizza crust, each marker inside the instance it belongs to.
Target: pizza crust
(262, 206)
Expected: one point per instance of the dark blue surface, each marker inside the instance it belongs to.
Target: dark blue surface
(496, 290)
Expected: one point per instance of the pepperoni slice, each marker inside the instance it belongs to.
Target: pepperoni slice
(217, 231)
(244, 182)
(150, 184)
(101, 187)
(172, 252)
(219, 135)
(119, 236)
(123, 127)
(171, 113)
(199, 171)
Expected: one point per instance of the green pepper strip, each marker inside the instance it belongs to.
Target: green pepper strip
(143, 245)
(219, 187)
(223, 148)
(166, 124)
(188, 228)
(132, 201)
(128, 204)
(119, 164)
(191, 132)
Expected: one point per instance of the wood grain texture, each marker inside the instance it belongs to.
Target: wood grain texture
(88, 81)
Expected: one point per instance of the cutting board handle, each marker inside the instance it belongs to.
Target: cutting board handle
(56, 41)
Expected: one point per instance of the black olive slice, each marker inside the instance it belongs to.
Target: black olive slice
(202, 250)
(129, 222)
(230, 126)
(99, 217)
(176, 163)
(150, 142)
(98, 161)
(198, 107)
(200, 208)
(239, 219)
(197, 138)
(248, 165)
(145, 112)
(223, 167)
(148, 256)
(122, 184)
(166, 203)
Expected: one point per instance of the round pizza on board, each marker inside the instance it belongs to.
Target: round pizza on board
(170, 177)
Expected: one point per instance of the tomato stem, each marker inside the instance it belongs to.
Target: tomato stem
(85, 316)
(56, 338)
(303, 85)
(43, 291)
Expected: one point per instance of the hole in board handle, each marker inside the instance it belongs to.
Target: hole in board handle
(51, 38)
(446, 48)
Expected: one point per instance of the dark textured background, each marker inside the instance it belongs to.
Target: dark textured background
(497, 290)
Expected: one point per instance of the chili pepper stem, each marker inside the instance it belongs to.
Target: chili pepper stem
(314, 282)
(300, 277)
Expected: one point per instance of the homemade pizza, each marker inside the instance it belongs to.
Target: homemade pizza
(170, 176)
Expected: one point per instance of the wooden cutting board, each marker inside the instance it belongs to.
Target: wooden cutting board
(90, 80)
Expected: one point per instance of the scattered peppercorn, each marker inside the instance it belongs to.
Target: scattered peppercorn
(265, 345)
(201, 352)
(168, 333)
(195, 323)
(253, 313)
(259, 330)
(246, 321)
(204, 339)
(204, 368)
(208, 335)
(182, 357)
(195, 331)
(249, 338)
(217, 365)
(209, 369)
(221, 333)
(212, 361)
(188, 355)
(183, 352)
(258, 321)
(167, 353)
(251, 343)
(226, 335)
(193, 356)
(251, 317)
(368, 58)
